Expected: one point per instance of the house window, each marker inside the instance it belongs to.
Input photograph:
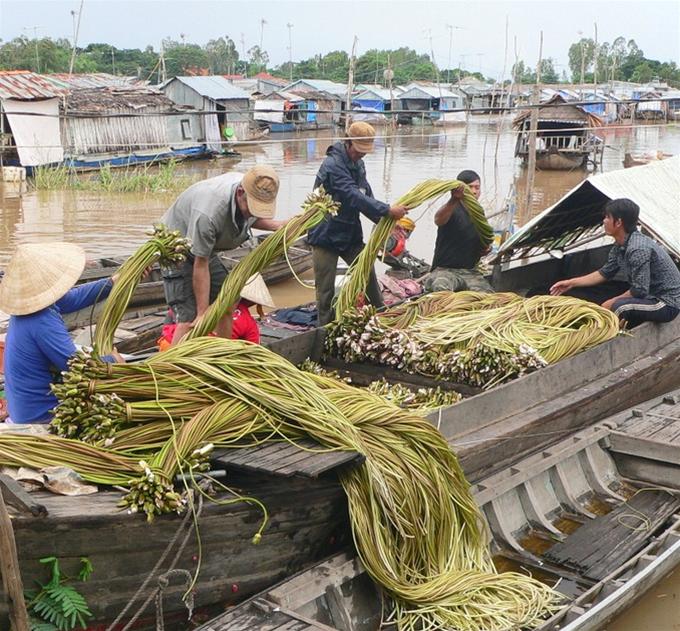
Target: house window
(186, 129)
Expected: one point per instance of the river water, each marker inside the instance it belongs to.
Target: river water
(109, 224)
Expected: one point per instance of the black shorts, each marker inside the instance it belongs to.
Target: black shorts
(179, 289)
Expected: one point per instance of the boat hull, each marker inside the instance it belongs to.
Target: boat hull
(124, 549)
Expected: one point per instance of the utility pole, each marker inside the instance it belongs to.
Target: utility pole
(75, 37)
(583, 63)
(245, 61)
(290, 50)
(595, 65)
(389, 75)
(448, 66)
(350, 83)
(35, 40)
(533, 126)
(262, 23)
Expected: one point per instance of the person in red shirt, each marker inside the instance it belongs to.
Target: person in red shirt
(244, 326)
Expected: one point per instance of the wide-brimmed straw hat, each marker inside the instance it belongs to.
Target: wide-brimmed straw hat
(38, 275)
(261, 185)
(256, 291)
(362, 136)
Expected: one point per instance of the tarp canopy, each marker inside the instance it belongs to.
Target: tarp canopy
(35, 128)
(655, 187)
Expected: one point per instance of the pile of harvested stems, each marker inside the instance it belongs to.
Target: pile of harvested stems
(472, 338)
(416, 526)
(416, 398)
(360, 269)
(317, 205)
(165, 247)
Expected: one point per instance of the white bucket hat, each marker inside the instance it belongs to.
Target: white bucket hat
(38, 275)
(256, 291)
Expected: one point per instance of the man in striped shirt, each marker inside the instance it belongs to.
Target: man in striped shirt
(654, 279)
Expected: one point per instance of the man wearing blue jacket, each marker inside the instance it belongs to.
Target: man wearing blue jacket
(343, 176)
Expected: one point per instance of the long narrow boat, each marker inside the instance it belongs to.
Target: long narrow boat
(597, 516)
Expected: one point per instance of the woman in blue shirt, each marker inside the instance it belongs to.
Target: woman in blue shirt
(36, 290)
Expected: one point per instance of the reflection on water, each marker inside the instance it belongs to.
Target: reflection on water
(115, 223)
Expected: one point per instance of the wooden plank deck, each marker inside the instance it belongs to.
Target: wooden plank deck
(651, 432)
(603, 544)
(306, 458)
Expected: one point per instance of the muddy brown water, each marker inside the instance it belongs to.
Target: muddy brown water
(110, 224)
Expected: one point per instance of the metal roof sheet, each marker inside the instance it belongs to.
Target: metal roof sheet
(320, 85)
(27, 86)
(432, 92)
(655, 187)
(214, 87)
(90, 80)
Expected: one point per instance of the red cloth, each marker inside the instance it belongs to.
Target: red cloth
(243, 327)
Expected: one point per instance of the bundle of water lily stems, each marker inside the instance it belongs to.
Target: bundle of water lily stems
(166, 248)
(358, 272)
(415, 524)
(469, 337)
(317, 205)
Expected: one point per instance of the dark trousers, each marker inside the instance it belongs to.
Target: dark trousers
(325, 269)
(635, 311)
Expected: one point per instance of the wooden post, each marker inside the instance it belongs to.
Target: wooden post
(533, 127)
(350, 84)
(11, 576)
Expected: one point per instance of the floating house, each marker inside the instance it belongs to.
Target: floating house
(123, 125)
(223, 105)
(29, 119)
(378, 99)
(318, 85)
(482, 98)
(564, 140)
(261, 84)
(430, 104)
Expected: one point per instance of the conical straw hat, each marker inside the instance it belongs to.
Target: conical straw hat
(38, 275)
(256, 291)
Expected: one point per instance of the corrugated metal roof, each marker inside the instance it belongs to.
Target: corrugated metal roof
(320, 85)
(382, 94)
(213, 87)
(90, 80)
(432, 92)
(655, 187)
(27, 86)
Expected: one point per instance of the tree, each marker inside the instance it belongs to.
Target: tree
(257, 60)
(548, 72)
(643, 73)
(181, 59)
(522, 73)
(581, 57)
(222, 55)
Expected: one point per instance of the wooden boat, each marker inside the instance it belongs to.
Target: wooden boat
(565, 515)
(638, 159)
(563, 139)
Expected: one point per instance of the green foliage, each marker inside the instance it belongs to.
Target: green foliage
(58, 605)
(621, 59)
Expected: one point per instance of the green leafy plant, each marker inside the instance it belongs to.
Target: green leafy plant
(58, 606)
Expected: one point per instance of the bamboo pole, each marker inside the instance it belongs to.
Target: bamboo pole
(533, 127)
(11, 576)
(350, 84)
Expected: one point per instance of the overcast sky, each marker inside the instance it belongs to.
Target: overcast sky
(320, 26)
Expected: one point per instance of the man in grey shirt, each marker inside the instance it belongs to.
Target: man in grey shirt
(215, 214)
(654, 279)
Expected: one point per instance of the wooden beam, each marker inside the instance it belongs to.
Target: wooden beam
(11, 576)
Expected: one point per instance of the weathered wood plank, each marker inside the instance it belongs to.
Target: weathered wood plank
(606, 542)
